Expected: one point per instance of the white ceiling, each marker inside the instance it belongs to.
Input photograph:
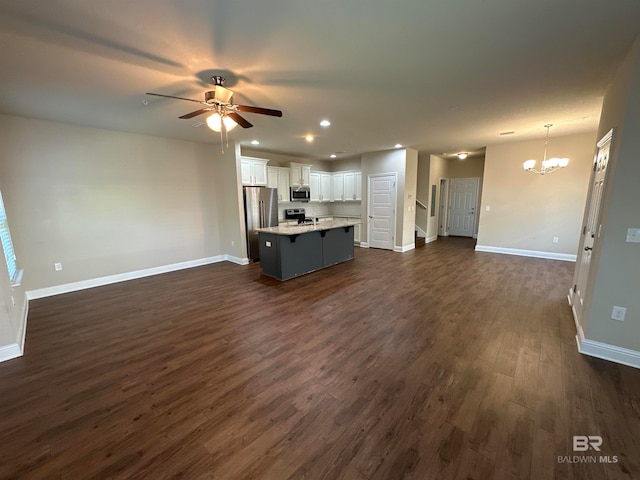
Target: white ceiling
(435, 75)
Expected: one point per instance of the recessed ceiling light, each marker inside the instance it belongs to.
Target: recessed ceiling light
(333, 155)
(309, 138)
(397, 145)
(325, 123)
(255, 142)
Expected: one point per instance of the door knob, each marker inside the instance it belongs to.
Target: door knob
(586, 249)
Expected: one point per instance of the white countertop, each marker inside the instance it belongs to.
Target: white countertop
(308, 227)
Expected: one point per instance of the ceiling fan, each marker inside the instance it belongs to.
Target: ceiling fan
(225, 114)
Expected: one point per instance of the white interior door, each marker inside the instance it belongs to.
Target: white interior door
(382, 215)
(591, 229)
(462, 207)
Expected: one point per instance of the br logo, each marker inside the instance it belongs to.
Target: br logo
(582, 443)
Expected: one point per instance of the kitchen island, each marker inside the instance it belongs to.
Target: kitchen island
(288, 251)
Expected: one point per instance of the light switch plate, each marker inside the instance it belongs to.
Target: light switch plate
(633, 235)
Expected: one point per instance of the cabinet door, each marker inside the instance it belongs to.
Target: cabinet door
(272, 177)
(349, 186)
(314, 187)
(245, 168)
(283, 184)
(338, 187)
(358, 185)
(325, 187)
(356, 234)
(306, 174)
(295, 175)
(259, 172)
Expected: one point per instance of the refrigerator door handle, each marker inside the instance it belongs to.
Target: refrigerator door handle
(261, 213)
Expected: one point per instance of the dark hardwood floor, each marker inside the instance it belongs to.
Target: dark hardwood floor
(438, 363)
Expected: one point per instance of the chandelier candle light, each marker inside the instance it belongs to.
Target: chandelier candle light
(548, 165)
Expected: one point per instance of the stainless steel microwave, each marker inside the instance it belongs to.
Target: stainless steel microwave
(300, 194)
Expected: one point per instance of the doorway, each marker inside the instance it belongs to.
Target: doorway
(462, 206)
(381, 210)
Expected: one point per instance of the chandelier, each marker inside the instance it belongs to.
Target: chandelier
(548, 165)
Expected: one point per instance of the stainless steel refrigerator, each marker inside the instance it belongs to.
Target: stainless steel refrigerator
(260, 210)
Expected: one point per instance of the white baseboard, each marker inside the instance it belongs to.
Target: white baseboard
(527, 253)
(121, 277)
(8, 352)
(431, 239)
(621, 355)
(625, 356)
(406, 248)
(238, 260)
(364, 245)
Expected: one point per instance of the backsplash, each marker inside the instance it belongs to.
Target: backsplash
(322, 209)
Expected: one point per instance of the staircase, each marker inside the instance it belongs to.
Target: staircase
(419, 241)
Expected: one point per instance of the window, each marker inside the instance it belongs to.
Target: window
(7, 245)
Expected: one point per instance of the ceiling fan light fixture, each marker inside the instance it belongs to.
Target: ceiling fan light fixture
(223, 95)
(214, 122)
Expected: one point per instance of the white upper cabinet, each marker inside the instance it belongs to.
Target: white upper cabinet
(300, 174)
(320, 186)
(314, 186)
(254, 171)
(338, 187)
(278, 177)
(352, 185)
(325, 187)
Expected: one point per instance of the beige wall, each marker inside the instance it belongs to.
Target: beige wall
(437, 171)
(392, 161)
(103, 202)
(616, 263)
(281, 160)
(410, 187)
(345, 164)
(528, 210)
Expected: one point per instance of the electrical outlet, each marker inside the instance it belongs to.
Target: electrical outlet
(487, 208)
(57, 266)
(556, 239)
(233, 243)
(618, 313)
(633, 235)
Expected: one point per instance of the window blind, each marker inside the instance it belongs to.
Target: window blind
(7, 245)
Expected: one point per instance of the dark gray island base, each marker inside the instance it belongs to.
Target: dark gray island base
(290, 251)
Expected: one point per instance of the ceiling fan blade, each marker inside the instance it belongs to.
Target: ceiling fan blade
(239, 120)
(196, 113)
(260, 110)
(171, 96)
